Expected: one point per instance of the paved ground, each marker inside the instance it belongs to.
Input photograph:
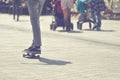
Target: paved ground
(77, 55)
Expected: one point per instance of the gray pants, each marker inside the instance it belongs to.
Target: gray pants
(35, 7)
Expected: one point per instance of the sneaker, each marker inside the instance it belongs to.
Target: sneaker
(35, 49)
(28, 49)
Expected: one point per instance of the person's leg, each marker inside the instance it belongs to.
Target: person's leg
(42, 2)
(70, 5)
(18, 11)
(98, 20)
(14, 11)
(93, 14)
(66, 19)
(65, 13)
(69, 19)
(69, 14)
(66, 7)
(34, 8)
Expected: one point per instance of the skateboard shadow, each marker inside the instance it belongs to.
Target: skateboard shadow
(45, 61)
(53, 62)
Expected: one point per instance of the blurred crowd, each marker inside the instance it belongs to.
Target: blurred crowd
(7, 6)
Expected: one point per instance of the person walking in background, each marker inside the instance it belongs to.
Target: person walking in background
(16, 9)
(35, 7)
(66, 7)
(82, 8)
(96, 7)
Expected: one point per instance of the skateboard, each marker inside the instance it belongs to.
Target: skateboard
(31, 54)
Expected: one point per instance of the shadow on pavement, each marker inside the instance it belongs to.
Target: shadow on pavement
(23, 21)
(53, 62)
(14, 28)
(100, 31)
(45, 61)
(70, 31)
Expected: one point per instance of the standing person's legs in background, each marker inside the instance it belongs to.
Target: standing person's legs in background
(16, 9)
(66, 7)
(17, 12)
(96, 16)
(67, 19)
(99, 18)
(35, 8)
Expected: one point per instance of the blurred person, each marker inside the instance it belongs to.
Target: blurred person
(16, 9)
(81, 7)
(67, 5)
(96, 7)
